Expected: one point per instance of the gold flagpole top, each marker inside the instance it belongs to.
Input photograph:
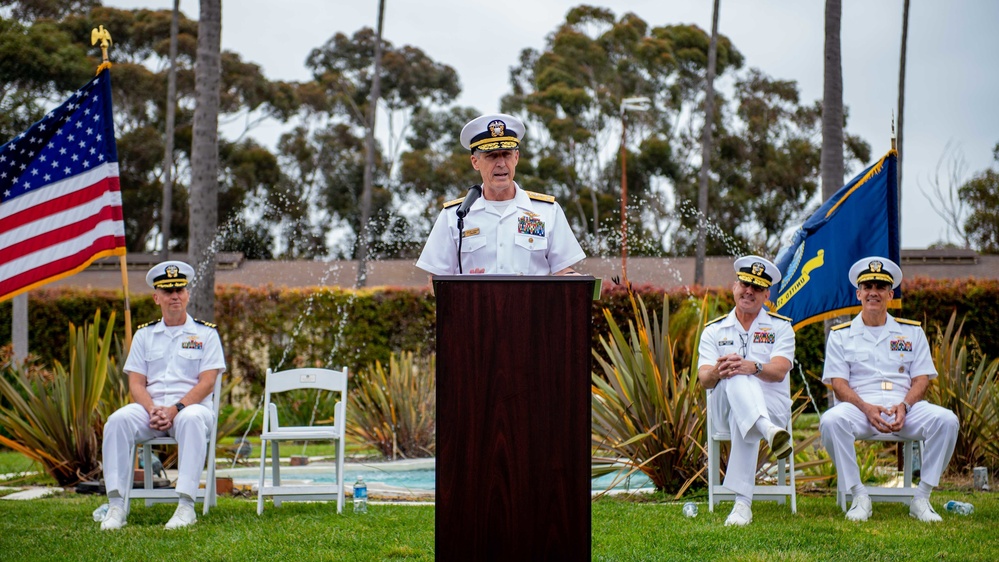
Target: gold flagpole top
(104, 36)
(893, 129)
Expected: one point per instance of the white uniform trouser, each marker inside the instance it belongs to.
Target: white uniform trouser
(737, 404)
(845, 423)
(191, 428)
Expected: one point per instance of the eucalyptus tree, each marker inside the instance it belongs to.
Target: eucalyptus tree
(203, 203)
(571, 95)
(327, 152)
(766, 161)
(832, 102)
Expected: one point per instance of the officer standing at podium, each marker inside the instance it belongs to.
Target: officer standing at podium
(506, 231)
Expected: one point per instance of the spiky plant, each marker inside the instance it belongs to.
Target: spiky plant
(55, 419)
(968, 391)
(395, 410)
(646, 414)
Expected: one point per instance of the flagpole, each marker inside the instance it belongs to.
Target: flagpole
(102, 35)
(128, 309)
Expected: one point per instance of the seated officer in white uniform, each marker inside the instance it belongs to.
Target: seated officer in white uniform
(745, 356)
(879, 368)
(507, 231)
(171, 369)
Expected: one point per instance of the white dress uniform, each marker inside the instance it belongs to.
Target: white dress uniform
(880, 368)
(530, 236)
(171, 358)
(740, 401)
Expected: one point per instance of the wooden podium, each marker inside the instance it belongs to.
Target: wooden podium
(513, 417)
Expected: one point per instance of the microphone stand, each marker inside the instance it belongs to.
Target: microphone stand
(461, 235)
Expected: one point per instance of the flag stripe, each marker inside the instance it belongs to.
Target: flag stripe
(60, 198)
(67, 194)
(56, 252)
(57, 214)
(64, 267)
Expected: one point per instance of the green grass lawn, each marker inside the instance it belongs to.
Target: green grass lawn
(61, 528)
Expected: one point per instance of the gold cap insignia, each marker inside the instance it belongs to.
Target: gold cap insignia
(875, 266)
(497, 128)
(172, 271)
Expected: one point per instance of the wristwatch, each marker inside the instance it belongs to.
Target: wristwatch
(759, 368)
(179, 406)
(907, 406)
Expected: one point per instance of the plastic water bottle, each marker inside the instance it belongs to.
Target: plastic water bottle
(960, 508)
(100, 512)
(690, 509)
(360, 496)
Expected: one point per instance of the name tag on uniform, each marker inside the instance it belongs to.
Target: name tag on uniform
(885, 385)
(470, 232)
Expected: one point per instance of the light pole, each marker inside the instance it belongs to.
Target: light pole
(633, 104)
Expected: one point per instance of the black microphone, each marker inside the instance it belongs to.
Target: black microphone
(474, 193)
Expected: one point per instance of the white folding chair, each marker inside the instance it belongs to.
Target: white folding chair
(282, 381)
(152, 495)
(887, 493)
(780, 492)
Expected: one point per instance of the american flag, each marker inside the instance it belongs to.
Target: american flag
(60, 201)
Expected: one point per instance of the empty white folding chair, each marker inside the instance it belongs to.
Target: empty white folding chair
(780, 492)
(275, 433)
(152, 495)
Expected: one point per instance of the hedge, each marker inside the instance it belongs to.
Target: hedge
(281, 328)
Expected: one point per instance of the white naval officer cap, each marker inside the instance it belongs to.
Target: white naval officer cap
(876, 268)
(493, 131)
(757, 271)
(169, 274)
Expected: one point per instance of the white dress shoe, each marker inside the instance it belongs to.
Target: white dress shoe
(741, 515)
(114, 519)
(921, 509)
(183, 517)
(860, 509)
(780, 442)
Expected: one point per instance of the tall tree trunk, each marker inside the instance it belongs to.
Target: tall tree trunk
(166, 215)
(363, 233)
(901, 102)
(203, 205)
(831, 165)
(706, 148)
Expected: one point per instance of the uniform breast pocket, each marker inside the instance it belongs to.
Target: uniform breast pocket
(532, 253)
(856, 356)
(156, 364)
(472, 244)
(191, 357)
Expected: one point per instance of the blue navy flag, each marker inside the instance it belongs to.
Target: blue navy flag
(860, 220)
(60, 201)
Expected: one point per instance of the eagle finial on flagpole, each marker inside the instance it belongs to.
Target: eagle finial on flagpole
(104, 36)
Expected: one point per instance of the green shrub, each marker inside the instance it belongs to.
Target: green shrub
(395, 411)
(968, 391)
(646, 414)
(56, 419)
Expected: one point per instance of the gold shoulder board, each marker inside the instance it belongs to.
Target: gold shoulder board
(841, 326)
(710, 322)
(453, 202)
(909, 322)
(209, 324)
(148, 324)
(540, 196)
(781, 316)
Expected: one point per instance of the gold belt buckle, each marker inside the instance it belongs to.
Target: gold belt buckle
(885, 385)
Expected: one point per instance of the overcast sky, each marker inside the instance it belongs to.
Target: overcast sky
(952, 77)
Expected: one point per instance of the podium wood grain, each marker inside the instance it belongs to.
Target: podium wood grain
(513, 418)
